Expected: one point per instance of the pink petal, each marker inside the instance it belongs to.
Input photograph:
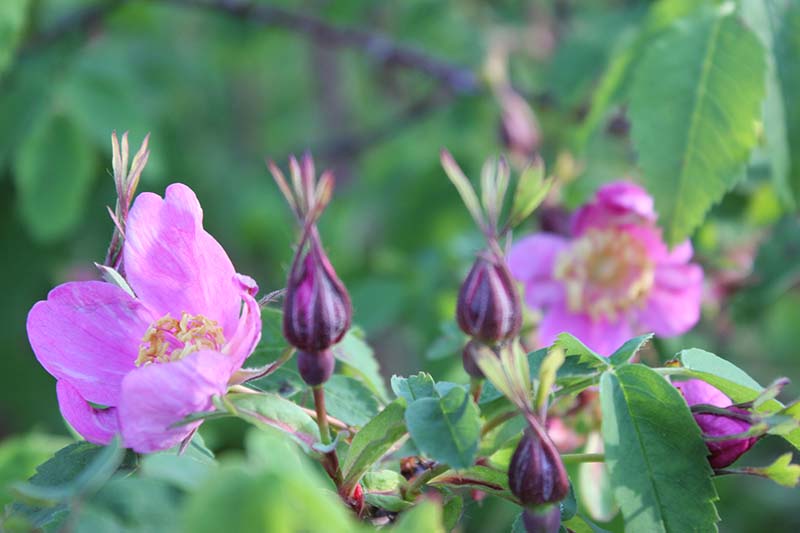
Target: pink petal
(601, 335)
(174, 265)
(156, 396)
(697, 391)
(95, 425)
(673, 306)
(248, 332)
(615, 204)
(532, 261)
(88, 333)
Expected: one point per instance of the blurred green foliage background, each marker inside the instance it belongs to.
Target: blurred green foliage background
(220, 88)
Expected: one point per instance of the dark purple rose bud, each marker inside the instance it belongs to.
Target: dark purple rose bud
(317, 309)
(315, 367)
(544, 519)
(724, 452)
(536, 473)
(488, 304)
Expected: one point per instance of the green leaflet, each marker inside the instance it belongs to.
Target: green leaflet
(655, 455)
(695, 105)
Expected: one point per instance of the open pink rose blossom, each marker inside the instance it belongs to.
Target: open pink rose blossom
(135, 364)
(613, 278)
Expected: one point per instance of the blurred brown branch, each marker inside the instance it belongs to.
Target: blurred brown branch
(382, 49)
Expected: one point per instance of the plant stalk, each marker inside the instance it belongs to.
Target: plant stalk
(573, 458)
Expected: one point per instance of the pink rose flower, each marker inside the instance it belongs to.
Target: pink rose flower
(722, 452)
(614, 278)
(136, 365)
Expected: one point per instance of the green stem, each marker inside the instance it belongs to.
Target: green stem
(496, 421)
(572, 458)
(415, 487)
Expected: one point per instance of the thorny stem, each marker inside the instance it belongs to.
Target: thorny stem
(572, 458)
(475, 388)
(415, 487)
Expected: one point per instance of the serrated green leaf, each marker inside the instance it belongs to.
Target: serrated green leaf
(572, 346)
(626, 352)
(655, 454)
(359, 360)
(445, 428)
(77, 469)
(414, 387)
(54, 171)
(19, 456)
(373, 441)
(267, 410)
(349, 400)
(695, 128)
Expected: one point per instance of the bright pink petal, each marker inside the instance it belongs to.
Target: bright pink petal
(616, 204)
(697, 391)
(532, 261)
(248, 333)
(174, 265)
(673, 306)
(88, 333)
(601, 335)
(158, 395)
(95, 425)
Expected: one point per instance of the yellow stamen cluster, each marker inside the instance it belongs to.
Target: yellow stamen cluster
(605, 273)
(169, 339)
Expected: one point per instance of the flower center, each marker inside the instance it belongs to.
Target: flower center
(605, 272)
(169, 339)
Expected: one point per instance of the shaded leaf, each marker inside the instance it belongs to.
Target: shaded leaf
(350, 400)
(359, 360)
(54, 173)
(373, 441)
(445, 428)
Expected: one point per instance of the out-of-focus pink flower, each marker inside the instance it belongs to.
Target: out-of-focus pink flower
(135, 364)
(613, 278)
(723, 452)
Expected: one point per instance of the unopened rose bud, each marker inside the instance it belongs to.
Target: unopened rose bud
(536, 473)
(544, 519)
(732, 421)
(315, 367)
(519, 129)
(724, 452)
(488, 305)
(317, 309)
